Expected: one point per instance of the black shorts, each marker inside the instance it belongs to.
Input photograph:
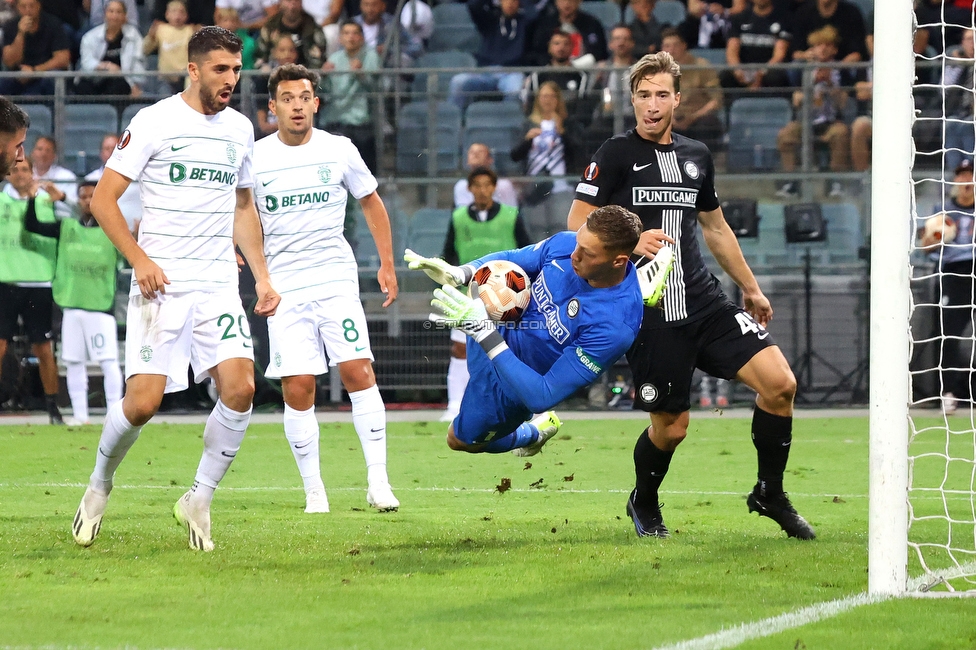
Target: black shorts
(32, 304)
(664, 360)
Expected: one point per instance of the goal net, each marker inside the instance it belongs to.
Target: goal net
(922, 537)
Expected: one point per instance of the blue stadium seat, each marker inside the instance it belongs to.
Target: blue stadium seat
(844, 236)
(427, 231)
(670, 12)
(498, 125)
(771, 244)
(412, 144)
(448, 59)
(41, 123)
(754, 123)
(128, 113)
(84, 127)
(494, 114)
(608, 13)
(453, 29)
(714, 55)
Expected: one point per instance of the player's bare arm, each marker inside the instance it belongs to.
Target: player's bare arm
(724, 246)
(379, 227)
(249, 237)
(105, 206)
(578, 213)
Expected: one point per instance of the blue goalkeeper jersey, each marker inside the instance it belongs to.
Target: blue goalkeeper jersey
(582, 329)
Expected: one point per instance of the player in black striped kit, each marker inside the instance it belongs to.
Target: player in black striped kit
(669, 181)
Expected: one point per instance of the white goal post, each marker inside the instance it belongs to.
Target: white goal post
(922, 485)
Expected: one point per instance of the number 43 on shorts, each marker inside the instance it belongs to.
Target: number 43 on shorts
(749, 325)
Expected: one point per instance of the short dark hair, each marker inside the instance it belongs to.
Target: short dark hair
(617, 228)
(291, 72)
(353, 23)
(12, 117)
(559, 32)
(49, 138)
(212, 38)
(668, 32)
(483, 171)
(86, 183)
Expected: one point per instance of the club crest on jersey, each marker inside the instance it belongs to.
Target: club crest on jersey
(648, 393)
(231, 153)
(277, 359)
(592, 171)
(145, 353)
(572, 309)
(325, 174)
(691, 169)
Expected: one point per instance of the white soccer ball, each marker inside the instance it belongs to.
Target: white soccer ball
(504, 288)
(939, 228)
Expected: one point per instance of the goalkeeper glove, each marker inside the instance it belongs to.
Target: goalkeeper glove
(437, 269)
(653, 276)
(454, 309)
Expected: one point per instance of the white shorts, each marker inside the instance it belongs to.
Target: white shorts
(174, 330)
(302, 333)
(88, 336)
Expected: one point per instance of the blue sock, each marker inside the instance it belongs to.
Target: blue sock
(523, 436)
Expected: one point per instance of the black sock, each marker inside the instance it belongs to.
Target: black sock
(51, 401)
(771, 435)
(651, 464)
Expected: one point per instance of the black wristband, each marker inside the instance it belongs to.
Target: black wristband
(493, 344)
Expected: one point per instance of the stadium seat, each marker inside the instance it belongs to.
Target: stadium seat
(84, 127)
(453, 29)
(412, 144)
(608, 13)
(498, 125)
(427, 231)
(128, 113)
(41, 123)
(844, 236)
(448, 59)
(771, 250)
(494, 114)
(670, 12)
(714, 55)
(754, 123)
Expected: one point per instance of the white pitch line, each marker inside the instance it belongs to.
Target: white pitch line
(732, 637)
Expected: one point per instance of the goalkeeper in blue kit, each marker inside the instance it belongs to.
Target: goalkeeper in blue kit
(585, 312)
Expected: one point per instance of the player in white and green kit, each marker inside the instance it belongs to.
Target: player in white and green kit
(84, 287)
(192, 156)
(304, 176)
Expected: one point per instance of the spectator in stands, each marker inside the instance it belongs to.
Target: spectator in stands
(552, 144)
(8, 11)
(586, 33)
(170, 39)
(842, 16)
(70, 13)
(645, 29)
(708, 22)
(34, 42)
(347, 107)
(331, 12)
(377, 24)
(697, 114)
(572, 81)
(60, 183)
(421, 25)
(25, 279)
(479, 155)
(936, 18)
(829, 99)
(308, 37)
(253, 14)
(957, 82)
(760, 34)
(199, 12)
(613, 88)
(504, 32)
(113, 46)
(477, 228)
(862, 126)
(96, 12)
(284, 52)
(230, 20)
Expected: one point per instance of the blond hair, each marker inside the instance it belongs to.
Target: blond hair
(826, 35)
(561, 113)
(652, 64)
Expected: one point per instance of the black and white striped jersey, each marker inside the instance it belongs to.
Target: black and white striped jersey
(666, 186)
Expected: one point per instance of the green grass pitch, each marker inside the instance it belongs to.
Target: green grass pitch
(552, 562)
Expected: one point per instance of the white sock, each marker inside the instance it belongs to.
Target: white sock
(457, 381)
(118, 436)
(221, 441)
(77, 379)
(111, 381)
(302, 432)
(369, 418)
